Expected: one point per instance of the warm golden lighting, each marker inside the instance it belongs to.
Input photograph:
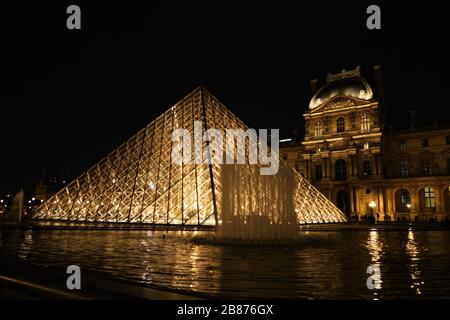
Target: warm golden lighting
(375, 248)
(413, 252)
(139, 183)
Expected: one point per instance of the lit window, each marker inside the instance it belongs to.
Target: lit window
(402, 145)
(318, 172)
(340, 124)
(365, 122)
(341, 170)
(366, 168)
(430, 201)
(318, 129)
(366, 145)
(404, 168)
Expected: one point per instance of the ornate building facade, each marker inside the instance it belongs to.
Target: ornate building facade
(366, 170)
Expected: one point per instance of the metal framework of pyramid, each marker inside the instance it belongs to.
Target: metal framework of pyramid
(138, 183)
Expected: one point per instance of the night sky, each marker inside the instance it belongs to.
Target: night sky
(69, 97)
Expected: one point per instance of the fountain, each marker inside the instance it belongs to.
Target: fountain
(14, 214)
(255, 208)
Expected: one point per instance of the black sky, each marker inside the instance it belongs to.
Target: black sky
(69, 97)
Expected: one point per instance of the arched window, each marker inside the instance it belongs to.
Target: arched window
(340, 124)
(447, 199)
(365, 122)
(402, 200)
(427, 199)
(341, 169)
(317, 128)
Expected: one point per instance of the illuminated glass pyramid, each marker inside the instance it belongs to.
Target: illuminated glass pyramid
(138, 183)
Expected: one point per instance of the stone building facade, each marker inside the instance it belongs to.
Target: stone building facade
(363, 168)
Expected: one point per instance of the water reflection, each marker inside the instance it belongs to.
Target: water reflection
(329, 265)
(375, 248)
(412, 250)
(26, 244)
(145, 246)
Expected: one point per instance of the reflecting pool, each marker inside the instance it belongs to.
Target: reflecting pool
(327, 265)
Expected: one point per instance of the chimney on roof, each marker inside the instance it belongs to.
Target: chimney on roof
(412, 121)
(314, 85)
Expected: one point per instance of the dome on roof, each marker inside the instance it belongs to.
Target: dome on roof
(341, 85)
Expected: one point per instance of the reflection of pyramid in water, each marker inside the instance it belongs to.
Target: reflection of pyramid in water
(138, 183)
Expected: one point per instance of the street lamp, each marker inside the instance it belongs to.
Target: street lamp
(408, 205)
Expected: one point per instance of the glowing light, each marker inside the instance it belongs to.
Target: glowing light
(372, 204)
(375, 249)
(189, 185)
(413, 251)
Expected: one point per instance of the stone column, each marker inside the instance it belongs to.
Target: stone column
(330, 170)
(358, 201)
(325, 169)
(376, 165)
(331, 173)
(354, 165)
(349, 167)
(380, 202)
(415, 204)
(383, 197)
(440, 211)
(352, 206)
(391, 204)
(307, 165)
(380, 166)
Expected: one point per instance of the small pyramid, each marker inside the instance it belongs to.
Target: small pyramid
(138, 182)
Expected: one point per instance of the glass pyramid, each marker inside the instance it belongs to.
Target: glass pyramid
(138, 183)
